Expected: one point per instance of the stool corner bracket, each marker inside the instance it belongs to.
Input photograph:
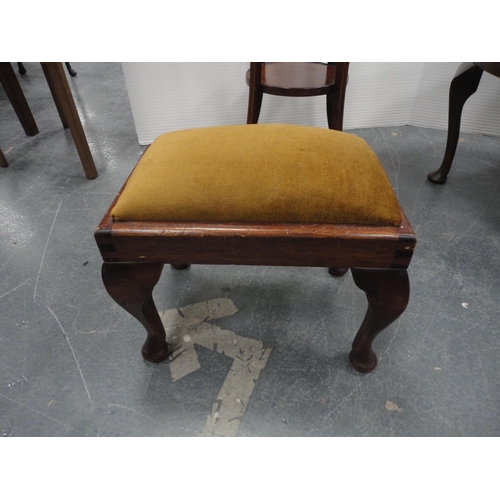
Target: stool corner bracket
(404, 251)
(104, 240)
(102, 232)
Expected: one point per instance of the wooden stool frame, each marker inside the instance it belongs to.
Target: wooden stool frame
(134, 253)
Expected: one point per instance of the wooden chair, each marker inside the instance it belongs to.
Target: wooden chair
(65, 104)
(463, 85)
(299, 79)
(18, 101)
(267, 195)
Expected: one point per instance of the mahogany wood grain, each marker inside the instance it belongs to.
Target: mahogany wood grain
(321, 245)
(388, 292)
(131, 286)
(378, 256)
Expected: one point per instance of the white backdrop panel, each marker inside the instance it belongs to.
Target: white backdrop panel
(172, 96)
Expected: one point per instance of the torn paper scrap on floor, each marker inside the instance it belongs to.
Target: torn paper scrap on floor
(187, 327)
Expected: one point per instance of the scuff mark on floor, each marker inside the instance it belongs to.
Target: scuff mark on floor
(72, 352)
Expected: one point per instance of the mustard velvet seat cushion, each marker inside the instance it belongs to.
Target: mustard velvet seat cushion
(259, 173)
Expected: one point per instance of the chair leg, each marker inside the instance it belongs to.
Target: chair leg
(65, 104)
(16, 97)
(51, 77)
(388, 292)
(131, 286)
(254, 105)
(338, 271)
(180, 267)
(71, 71)
(463, 85)
(334, 111)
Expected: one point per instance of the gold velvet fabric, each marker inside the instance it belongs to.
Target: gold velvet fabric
(259, 173)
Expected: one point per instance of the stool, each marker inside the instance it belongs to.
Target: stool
(268, 194)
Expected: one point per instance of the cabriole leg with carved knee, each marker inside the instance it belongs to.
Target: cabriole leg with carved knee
(388, 292)
(131, 286)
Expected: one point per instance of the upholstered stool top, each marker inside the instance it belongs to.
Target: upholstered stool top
(263, 173)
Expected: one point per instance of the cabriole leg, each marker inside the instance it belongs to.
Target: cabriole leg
(463, 85)
(388, 292)
(131, 286)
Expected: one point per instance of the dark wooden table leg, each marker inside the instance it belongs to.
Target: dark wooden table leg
(463, 85)
(131, 286)
(14, 92)
(3, 161)
(65, 104)
(388, 292)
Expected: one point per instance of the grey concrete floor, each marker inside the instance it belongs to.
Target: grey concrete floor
(70, 361)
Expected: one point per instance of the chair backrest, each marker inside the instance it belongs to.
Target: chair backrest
(299, 79)
(336, 74)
